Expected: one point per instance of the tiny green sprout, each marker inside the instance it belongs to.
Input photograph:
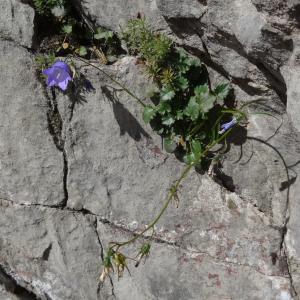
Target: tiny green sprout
(43, 7)
(143, 253)
(44, 61)
(82, 51)
(103, 34)
(149, 113)
(170, 145)
(67, 29)
(167, 76)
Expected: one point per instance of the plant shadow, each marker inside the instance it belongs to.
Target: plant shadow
(126, 121)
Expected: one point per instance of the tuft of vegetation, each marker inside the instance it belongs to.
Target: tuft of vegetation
(154, 48)
(185, 110)
(44, 7)
(43, 61)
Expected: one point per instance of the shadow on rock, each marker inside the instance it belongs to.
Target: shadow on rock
(79, 87)
(126, 121)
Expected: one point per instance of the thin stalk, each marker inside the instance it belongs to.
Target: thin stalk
(171, 194)
(174, 188)
(113, 80)
(170, 197)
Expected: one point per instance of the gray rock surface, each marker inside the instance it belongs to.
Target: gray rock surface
(6, 295)
(31, 167)
(194, 275)
(16, 22)
(291, 74)
(41, 260)
(80, 169)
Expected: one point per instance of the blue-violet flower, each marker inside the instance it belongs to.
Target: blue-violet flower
(228, 125)
(59, 74)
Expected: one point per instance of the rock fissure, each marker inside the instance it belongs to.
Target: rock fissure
(102, 258)
(55, 128)
(290, 276)
(13, 286)
(157, 240)
(65, 179)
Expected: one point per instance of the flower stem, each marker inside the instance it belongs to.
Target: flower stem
(113, 80)
(173, 191)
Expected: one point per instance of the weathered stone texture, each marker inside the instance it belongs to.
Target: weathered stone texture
(16, 22)
(80, 169)
(31, 168)
(258, 36)
(53, 253)
(193, 275)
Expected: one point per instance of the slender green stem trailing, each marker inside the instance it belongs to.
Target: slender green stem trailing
(153, 223)
(185, 172)
(114, 253)
(172, 193)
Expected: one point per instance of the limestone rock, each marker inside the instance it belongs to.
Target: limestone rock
(16, 22)
(31, 167)
(193, 275)
(291, 74)
(80, 169)
(53, 254)
(112, 174)
(247, 41)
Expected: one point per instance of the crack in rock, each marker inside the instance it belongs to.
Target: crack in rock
(13, 286)
(102, 258)
(157, 240)
(55, 128)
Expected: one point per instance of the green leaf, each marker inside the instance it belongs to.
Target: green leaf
(195, 155)
(99, 36)
(148, 114)
(67, 29)
(195, 62)
(82, 51)
(196, 146)
(179, 115)
(182, 83)
(207, 103)
(169, 145)
(193, 109)
(196, 151)
(168, 120)
(222, 91)
(102, 34)
(204, 98)
(190, 158)
(167, 94)
(201, 90)
(164, 107)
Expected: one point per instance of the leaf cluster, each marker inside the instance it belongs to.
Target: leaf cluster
(44, 7)
(43, 61)
(185, 110)
(153, 47)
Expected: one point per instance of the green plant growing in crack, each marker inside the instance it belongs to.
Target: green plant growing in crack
(191, 116)
(45, 6)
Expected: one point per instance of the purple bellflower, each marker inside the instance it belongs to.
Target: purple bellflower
(59, 74)
(228, 125)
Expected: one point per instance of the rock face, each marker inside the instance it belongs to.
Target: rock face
(31, 166)
(16, 22)
(81, 169)
(258, 36)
